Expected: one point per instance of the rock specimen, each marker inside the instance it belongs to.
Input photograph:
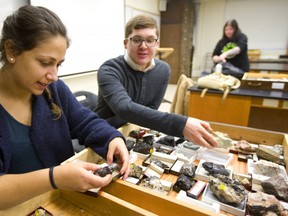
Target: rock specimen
(137, 134)
(278, 148)
(260, 203)
(143, 148)
(188, 169)
(158, 163)
(269, 155)
(213, 168)
(227, 190)
(266, 168)
(148, 138)
(136, 171)
(183, 183)
(130, 144)
(191, 145)
(167, 140)
(277, 186)
(223, 140)
(102, 172)
(244, 146)
(152, 183)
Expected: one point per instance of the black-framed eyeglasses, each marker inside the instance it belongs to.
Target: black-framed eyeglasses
(137, 41)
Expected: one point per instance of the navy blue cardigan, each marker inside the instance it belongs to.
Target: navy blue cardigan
(52, 138)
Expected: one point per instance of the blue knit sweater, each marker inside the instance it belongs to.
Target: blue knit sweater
(126, 95)
(52, 138)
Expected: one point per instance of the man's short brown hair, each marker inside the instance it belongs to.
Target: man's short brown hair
(141, 21)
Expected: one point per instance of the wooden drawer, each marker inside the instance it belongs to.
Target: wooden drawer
(265, 81)
(123, 198)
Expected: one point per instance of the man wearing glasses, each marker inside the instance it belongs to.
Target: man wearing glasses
(132, 87)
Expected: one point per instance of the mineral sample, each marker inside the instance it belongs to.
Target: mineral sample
(152, 183)
(135, 171)
(149, 139)
(137, 134)
(227, 190)
(130, 144)
(269, 155)
(188, 169)
(267, 168)
(278, 149)
(223, 140)
(167, 140)
(143, 148)
(191, 145)
(102, 172)
(158, 163)
(183, 183)
(244, 146)
(277, 186)
(213, 169)
(259, 203)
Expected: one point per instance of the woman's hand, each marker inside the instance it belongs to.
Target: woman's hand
(197, 131)
(118, 149)
(78, 176)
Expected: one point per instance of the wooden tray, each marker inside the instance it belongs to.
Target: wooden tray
(124, 198)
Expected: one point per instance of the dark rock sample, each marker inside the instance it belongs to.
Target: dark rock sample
(149, 139)
(183, 183)
(260, 203)
(188, 169)
(137, 134)
(213, 169)
(227, 190)
(130, 144)
(102, 172)
(158, 163)
(167, 140)
(143, 148)
(277, 186)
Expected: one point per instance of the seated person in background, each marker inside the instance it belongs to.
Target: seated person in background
(132, 87)
(232, 47)
(39, 115)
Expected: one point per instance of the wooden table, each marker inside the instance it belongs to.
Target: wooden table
(261, 109)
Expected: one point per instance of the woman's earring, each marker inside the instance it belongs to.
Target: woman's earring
(12, 60)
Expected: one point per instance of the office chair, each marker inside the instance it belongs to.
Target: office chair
(88, 100)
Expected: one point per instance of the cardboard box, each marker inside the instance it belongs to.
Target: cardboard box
(263, 81)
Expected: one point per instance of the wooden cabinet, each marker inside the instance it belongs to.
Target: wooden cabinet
(258, 109)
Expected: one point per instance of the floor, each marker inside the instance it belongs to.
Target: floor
(169, 95)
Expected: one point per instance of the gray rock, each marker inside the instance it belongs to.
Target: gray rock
(277, 186)
(266, 168)
(188, 169)
(260, 203)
